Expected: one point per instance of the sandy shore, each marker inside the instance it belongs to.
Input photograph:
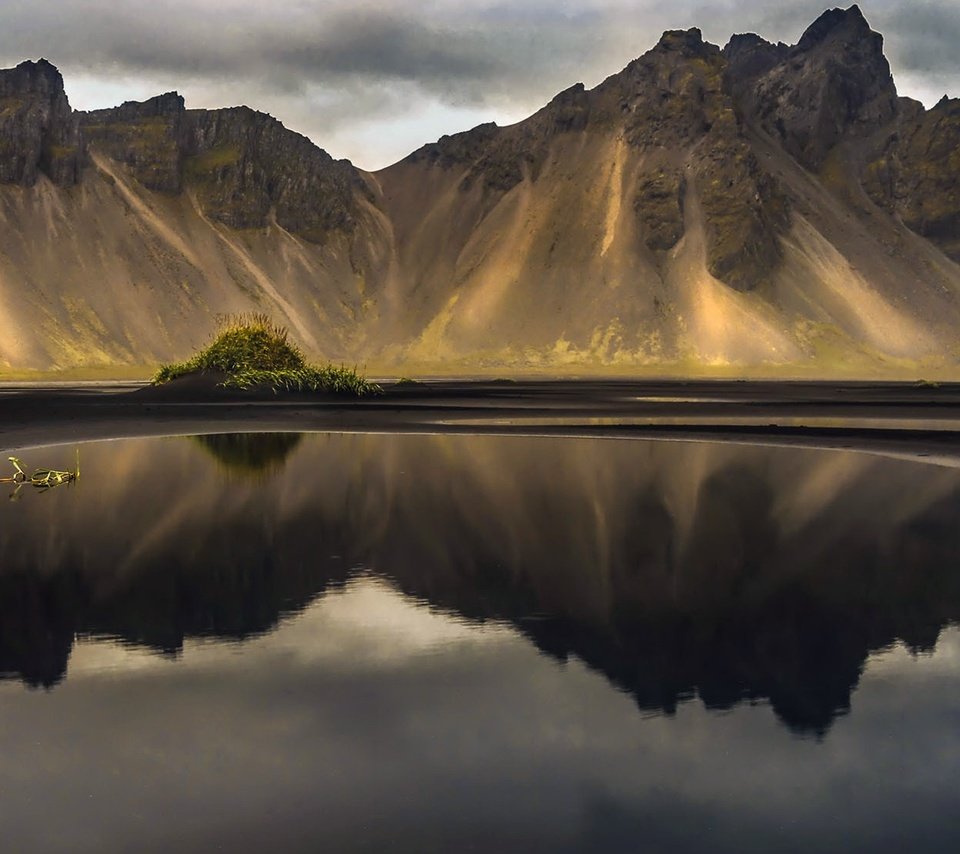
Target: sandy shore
(899, 418)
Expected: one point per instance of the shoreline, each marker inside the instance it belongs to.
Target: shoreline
(909, 419)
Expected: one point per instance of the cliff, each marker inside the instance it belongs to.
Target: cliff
(38, 130)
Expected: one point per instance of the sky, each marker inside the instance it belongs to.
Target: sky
(372, 80)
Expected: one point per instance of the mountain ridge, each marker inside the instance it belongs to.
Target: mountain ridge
(754, 206)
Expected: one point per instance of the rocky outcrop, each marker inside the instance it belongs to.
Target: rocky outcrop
(243, 166)
(834, 83)
(915, 172)
(659, 207)
(745, 210)
(148, 137)
(748, 57)
(38, 131)
(671, 96)
(673, 100)
(834, 88)
(928, 189)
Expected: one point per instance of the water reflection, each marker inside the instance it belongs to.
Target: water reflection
(727, 573)
(250, 453)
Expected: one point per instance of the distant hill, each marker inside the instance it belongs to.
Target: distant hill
(760, 206)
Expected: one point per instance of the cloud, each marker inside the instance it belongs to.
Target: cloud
(329, 67)
(924, 37)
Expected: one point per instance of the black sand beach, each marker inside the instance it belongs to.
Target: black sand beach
(916, 419)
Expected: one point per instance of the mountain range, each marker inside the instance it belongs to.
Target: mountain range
(757, 207)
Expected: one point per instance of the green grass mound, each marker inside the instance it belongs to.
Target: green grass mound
(252, 351)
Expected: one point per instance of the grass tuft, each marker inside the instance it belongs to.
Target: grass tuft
(252, 350)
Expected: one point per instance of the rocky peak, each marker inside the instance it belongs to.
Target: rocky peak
(748, 56)
(834, 84)
(946, 103)
(38, 131)
(741, 42)
(843, 25)
(36, 78)
(673, 103)
(567, 111)
(688, 42)
(672, 94)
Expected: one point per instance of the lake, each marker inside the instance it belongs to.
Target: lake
(368, 642)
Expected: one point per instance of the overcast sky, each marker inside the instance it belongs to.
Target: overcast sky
(372, 80)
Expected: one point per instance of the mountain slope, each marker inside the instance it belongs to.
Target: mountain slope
(757, 206)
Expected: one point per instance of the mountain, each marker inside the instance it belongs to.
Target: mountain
(760, 206)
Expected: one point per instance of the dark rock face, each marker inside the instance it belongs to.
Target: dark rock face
(745, 211)
(916, 173)
(672, 95)
(38, 132)
(459, 148)
(243, 165)
(659, 207)
(146, 136)
(834, 88)
(834, 83)
(928, 190)
(674, 99)
(748, 57)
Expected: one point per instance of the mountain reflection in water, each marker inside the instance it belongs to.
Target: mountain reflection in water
(677, 570)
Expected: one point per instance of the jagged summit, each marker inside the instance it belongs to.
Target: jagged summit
(834, 83)
(744, 41)
(159, 105)
(38, 131)
(748, 55)
(847, 24)
(690, 40)
(30, 74)
(243, 166)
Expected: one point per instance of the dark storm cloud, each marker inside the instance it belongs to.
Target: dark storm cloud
(452, 52)
(382, 45)
(332, 65)
(453, 49)
(926, 36)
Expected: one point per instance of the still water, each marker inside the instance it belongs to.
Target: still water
(446, 643)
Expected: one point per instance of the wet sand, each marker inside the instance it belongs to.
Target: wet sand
(913, 419)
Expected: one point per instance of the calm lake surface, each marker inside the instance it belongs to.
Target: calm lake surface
(445, 643)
